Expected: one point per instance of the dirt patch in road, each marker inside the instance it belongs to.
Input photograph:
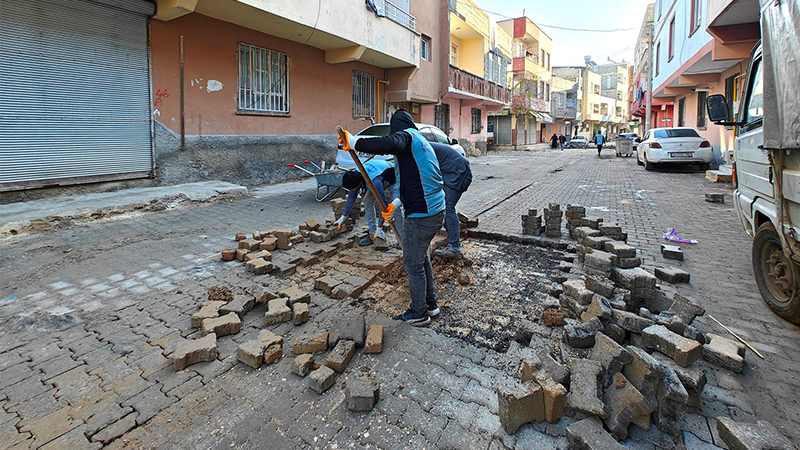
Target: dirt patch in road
(507, 286)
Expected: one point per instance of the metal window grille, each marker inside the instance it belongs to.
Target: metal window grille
(682, 112)
(263, 80)
(363, 95)
(701, 109)
(476, 120)
(442, 117)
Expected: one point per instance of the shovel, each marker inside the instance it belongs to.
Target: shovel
(368, 181)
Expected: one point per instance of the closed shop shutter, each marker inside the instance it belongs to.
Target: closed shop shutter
(74, 92)
(504, 130)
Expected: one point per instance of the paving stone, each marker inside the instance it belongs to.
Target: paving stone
(340, 356)
(519, 403)
(374, 340)
(624, 405)
(49, 426)
(644, 372)
(321, 379)
(612, 356)
(362, 394)
(359, 283)
(241, 253)
(620, 249)
(100, 411)
(204, 349)
(600, 308)
(554, 394)
(303, 364)
(249, 244)
(672, 275)
(631, 322)
(682, 350)
(273, 353)
(149, 403)
(600, 285)
(559, 372)
(672, 252)
(268, 243)
(284, 268)
(299, 313)
(259, 266)
(751, 436)
(326, 284)
(596, 242)
(582, 335)
(693, 377)
(229, 254)
(577, 290)
(724, 352)
(208, 310)
(588, 434)
(116, 429)
(686, 308)
(600, 261)
(310, 343)
(223, 326)
(672, 400)
(633, 279)
(261, 254)
(295, 295)
(583, 396)
(351, 326)
(74, 439)
(278, 311)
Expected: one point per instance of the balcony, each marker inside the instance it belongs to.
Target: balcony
(345, 34)
(465, 85)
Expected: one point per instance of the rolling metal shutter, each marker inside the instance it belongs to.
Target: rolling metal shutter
(503, 130)
(74, 92)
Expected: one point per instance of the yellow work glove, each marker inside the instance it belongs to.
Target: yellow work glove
(391, 208)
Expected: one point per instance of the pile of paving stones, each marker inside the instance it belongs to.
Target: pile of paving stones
(633, 350)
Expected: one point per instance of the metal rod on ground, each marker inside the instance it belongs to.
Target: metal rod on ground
(367, 180)
(736, 336)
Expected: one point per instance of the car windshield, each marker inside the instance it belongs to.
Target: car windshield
(676, 133)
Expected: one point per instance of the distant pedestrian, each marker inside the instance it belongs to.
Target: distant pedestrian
(554, 141)
(562, 140)
(599, 140)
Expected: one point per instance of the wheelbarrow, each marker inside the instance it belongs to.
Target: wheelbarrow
(329, 182)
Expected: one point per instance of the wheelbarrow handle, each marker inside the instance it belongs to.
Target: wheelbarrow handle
(310, 162)
(304, 170)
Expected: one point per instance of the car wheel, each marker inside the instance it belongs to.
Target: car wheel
(704, 166)
(647, 164)
(777, 277)
(639, 161)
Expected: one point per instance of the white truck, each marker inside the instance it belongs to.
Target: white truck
(767, 156)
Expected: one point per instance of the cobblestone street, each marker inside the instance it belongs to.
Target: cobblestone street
(90, 312)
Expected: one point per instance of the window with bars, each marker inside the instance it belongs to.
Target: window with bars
(701, 109)
(682, 112)
(363, 95)
(476, 121)
(263, 80)
(441, 117)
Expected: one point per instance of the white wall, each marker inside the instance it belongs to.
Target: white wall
(685, 46)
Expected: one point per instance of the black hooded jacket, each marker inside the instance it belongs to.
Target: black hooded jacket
(421, 185)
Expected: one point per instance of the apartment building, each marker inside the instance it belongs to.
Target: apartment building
(614, 82)
(595, 113)
(190, 90)
(479, 56)
(564, 106)
(525, 120)
(639, 90)
(698, 48)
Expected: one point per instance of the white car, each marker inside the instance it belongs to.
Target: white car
(578, 142)
(681, 145)
(430, 132)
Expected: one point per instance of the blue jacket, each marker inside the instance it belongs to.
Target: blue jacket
(455, 169)
(421, 184)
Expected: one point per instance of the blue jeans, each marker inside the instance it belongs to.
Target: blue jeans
(451, 224)
(418, 232)
(372, 209)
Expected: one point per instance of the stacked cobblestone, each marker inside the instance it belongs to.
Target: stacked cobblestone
(574, 215)
(532, 223)
(552, 220)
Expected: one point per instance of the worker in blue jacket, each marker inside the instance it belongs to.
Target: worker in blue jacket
(457, 177)
(423, 204)
(383, 177)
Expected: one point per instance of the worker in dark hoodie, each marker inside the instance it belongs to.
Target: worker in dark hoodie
(423, 205)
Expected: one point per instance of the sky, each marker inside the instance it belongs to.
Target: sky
(569, 47)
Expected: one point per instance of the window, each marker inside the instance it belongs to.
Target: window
(547, 92)
(263, 82)
(595, 88)
(658, 53)
(595, 108)
(696, 17)
(363, 95)
(755, 102)
(619, 110)
(548, 61)
(682, 112)
(671, 39)
(673, 133)
(453, 55)
(441, 116)
(701, 109)
(476, 121)
(425, 48)
(541, 61)
(560, 99)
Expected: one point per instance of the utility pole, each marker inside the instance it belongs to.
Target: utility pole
(650, 75)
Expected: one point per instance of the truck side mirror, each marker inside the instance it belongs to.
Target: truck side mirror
(717, 107)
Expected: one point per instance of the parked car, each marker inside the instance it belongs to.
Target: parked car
(430, 132)
(681, 145)
(578, 142)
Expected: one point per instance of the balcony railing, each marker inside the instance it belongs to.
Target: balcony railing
(467, 82)
(394, 13)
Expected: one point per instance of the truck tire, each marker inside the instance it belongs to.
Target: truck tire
(777, 277)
